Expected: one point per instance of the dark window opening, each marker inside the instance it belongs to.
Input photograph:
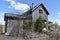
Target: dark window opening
(40, 11)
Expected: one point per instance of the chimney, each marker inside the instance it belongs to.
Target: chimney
(31, 7)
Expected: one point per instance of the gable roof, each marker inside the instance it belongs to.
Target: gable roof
(34, 8)
(41, 4)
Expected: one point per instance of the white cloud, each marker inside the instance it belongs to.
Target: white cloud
(2, 18)
(12, 2)
(3, 13)
(8, 0)
(58, 13)
(17, 5)
(2, 21)
(20, 6)
(57, 19)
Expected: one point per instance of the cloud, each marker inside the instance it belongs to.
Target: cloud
(56, 19)
(20, 6)
(8, 0)
(2, 21)
(2, 18)
(58, 13)
(17, 5)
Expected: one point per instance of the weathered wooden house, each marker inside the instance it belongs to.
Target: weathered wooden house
(12, 20)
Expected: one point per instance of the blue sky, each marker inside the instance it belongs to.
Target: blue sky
(20, 6)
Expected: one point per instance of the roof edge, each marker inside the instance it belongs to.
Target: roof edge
(41, 4)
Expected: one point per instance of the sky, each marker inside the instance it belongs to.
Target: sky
(20, 6)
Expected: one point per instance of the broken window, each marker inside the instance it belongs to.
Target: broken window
(40, 11)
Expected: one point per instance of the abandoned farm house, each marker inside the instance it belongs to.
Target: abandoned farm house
(12, 21)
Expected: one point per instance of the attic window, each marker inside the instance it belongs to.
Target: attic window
(40, 11)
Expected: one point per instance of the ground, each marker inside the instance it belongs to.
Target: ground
(35, 37)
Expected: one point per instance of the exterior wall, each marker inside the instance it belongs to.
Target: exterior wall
(21, 27)
(10, 25)
(14, 27)
(36, 14)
